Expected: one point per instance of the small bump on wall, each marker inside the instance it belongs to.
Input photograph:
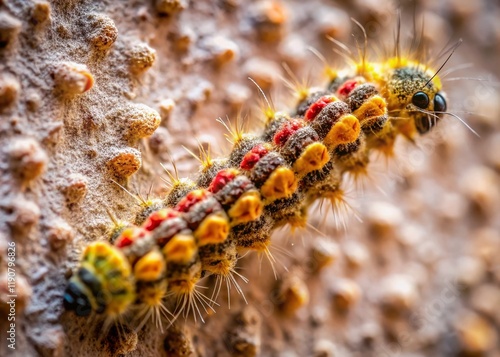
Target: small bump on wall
(141, 57)
(170, 7)
(72, 78)
(221, 49)
(244, 334)
(22, 215)
(178, 342)
(59, 234)
(104, 32)
(269, 19)
(27, 159)
(75, 188)
(345, 294)
(9, 29)
(122, 340)
(9, 90)
(292, 293)
(40, 12)
(398, 295)
(124, 163)
(138, 121)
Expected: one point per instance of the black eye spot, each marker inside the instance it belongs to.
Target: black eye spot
(421, 100)
(75, 299)
(439, 103)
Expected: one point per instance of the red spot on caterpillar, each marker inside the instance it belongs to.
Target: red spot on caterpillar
(191, 199)
(346, 88)
(156, 218)
(318, 106)
(290, 127)
(253, 156)
(222, 179)
(129, 236)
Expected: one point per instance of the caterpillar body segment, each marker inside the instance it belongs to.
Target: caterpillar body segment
(179, 189)
(219, 259)
(268, 171)
(168, 229)
(183, 264)
(156, 218)
(238, 196)
(134, 242)
(272, 125)
(273, 177)
(288, 211)
(253, 235)
(148, 266)
(103, 283)
(208, 221)
(314, 108)
(147, 208)
(269, 180)
(151, 283)
(208, 172)
(304, 151)
(241, 148)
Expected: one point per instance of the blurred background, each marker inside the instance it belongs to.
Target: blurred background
(417, 274)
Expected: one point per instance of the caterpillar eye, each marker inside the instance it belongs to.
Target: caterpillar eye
(439, 103)
(75, 299)
(421, 100)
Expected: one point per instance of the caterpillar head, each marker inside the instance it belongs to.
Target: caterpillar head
(424, 122)
(414, 93)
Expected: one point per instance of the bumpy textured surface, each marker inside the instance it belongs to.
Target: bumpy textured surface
(82, 83)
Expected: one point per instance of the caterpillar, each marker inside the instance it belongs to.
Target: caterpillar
(270, 179)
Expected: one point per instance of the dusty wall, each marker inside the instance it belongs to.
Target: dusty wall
(418, 277)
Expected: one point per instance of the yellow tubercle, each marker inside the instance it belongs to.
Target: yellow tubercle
(269, 113)
(105, 257)
(345, 131)
(314, 157)
(180, 249)
(150, 267)
(247, 208)
(371, 108)
(212, 230)
(96, 249)
(282, 183)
